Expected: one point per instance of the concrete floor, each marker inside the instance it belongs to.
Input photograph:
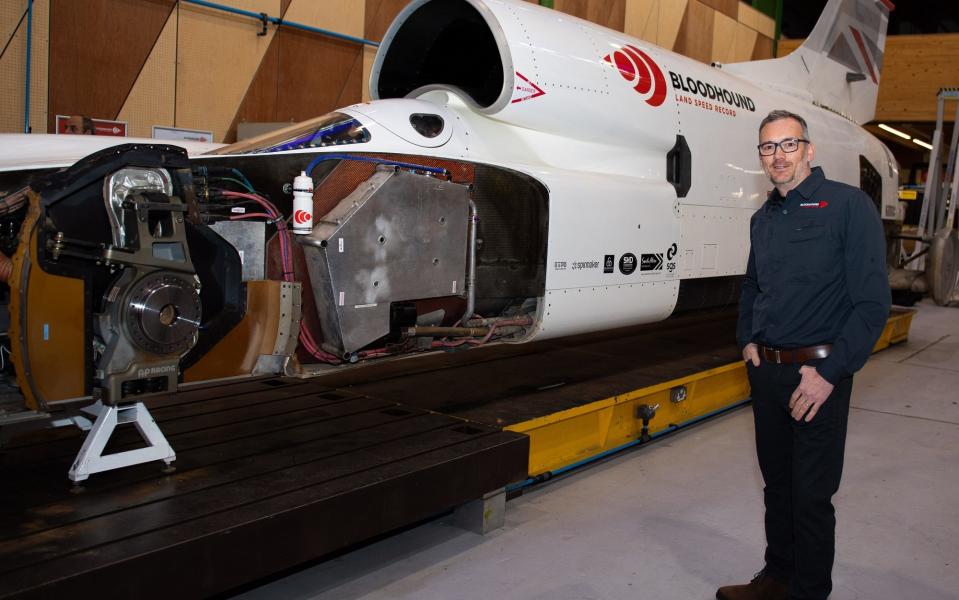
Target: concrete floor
(682, 516)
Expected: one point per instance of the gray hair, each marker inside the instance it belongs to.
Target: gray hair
(780, 114)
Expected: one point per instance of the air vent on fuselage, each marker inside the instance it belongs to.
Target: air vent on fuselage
(441, 43)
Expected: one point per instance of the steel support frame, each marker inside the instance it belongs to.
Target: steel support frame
(91, 459)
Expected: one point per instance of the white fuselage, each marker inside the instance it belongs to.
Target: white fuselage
(600, 148)
(571, 117)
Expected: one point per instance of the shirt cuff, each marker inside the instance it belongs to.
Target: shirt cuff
(830, 370)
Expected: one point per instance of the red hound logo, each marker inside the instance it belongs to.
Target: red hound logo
(638, 68)
(301, 216)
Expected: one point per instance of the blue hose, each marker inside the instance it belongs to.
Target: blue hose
(550, 474)
(276, 21)
(370, 159)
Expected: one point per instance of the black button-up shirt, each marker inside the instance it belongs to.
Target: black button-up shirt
(816, 274)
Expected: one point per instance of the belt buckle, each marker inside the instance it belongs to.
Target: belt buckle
(779, 359)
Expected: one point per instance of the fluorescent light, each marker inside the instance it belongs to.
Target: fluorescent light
(923, 144)
(895, 131)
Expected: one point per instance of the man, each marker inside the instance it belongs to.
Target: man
(79, 125)
(814, 301)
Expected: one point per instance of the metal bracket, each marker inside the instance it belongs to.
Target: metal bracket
(483, 515)
(91, 459)
(678, 394)
(646, 413)
(264, 21)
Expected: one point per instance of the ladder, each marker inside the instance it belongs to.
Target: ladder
(938, 213)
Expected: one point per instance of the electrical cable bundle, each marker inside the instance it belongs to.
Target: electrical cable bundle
(286, 255)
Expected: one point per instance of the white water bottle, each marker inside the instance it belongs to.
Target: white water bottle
(302, 204)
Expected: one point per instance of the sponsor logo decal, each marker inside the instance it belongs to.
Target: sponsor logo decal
(820, 204)
(714, 98)
(559, 265)
(651, 262)
(526, 89)
(585, 264)
(609, 263)
(302, 216)
(149, 371)
(627, 263)
(670, 254)
(639, 70)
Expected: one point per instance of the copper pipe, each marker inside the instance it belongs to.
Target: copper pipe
(446, 331)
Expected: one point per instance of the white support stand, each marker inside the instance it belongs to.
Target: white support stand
(91, 459)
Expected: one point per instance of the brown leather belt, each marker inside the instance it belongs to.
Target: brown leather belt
(795, 355)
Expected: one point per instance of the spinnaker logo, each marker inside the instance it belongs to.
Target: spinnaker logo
(641, 72)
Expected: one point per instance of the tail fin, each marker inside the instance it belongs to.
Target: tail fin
(838, 65)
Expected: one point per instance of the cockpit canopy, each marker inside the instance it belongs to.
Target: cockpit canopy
(332, 129)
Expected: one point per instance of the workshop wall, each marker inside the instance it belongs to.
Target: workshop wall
(169, 63)
(13, 67)
(914, 68)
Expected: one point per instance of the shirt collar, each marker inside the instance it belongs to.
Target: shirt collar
(807, 187)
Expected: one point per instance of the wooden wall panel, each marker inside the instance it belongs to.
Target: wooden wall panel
(96, 52)
(730, 8)
(341, 16)
(754, 19)
(218, 56)
(369, 55)
(378, 17)
(40, 66)
(13, 68)
(655, 21)
(608, 13)
(259, 102)
(695, 37)
(763, 49)
(744, 43)
(914, 68)
(724, 38)
(732, 41)
(152, 99)
(304, 75)
(322, 83)
(786, 45)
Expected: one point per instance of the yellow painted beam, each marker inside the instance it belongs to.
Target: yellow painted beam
(570, 436)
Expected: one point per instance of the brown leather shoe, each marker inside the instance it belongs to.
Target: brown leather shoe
(762, 587)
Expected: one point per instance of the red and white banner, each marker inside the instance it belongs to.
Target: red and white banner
(74, 124)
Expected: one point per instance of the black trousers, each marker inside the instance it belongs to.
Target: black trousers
(801, 465)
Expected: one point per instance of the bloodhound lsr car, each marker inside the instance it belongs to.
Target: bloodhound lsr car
(520, 174)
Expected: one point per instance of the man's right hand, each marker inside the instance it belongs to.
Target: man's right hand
(751, 353)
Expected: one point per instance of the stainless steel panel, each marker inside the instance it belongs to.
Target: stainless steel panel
(249, 239)
(399, 236)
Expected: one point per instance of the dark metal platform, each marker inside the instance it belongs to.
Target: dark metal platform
(502, 386)
(270, 474)
(274, 473)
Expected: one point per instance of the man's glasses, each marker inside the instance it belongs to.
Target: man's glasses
(788, 145)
